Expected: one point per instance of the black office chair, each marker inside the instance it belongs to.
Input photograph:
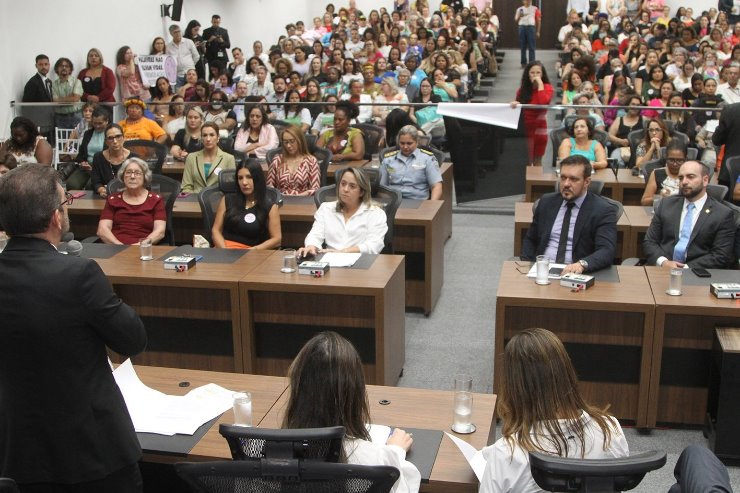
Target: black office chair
(557, 136)
(268, 476)
(311, 140)
(554, 473)
(387, 198)
(618, 207)
(732, 165)
(596, 186)
(717, 192)
(373, 136)
(150, 151)
(7, 485)
(634, 138)
(651, 166)
(692, 153)
(323, 157)
(251, 443)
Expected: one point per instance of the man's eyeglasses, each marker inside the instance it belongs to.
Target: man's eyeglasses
(133, 173)
(68, 199)
(111, 138)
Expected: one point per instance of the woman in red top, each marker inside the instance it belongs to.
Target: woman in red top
(134, 213)
(535, 89)
(98, 81)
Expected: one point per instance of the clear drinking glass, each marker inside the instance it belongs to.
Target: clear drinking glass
(676, 282)
(543, 270)
(289, 261)
(145, 249)
(243, 409)
(462, 410)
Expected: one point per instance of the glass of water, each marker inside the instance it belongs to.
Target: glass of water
(243, 409)
(289, 261)
(543, 270)
(145, 249)
(676, 282)
(462, 410)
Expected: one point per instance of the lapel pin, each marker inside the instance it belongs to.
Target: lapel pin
(707, 211)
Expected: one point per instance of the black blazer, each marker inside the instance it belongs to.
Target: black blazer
(35, 91)
(712, 239)
(102, 171)
(728, 133)
(63, 418)
(594, 236)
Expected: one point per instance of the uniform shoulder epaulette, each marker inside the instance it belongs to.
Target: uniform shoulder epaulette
(426, 151)
(392, 153)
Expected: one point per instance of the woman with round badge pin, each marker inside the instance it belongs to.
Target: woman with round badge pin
(247, 218)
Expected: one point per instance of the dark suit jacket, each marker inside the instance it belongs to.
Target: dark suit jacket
(728, 133)
(711, 241)
(62, 417)
(35, 91)
(213, 48)
(595, 234)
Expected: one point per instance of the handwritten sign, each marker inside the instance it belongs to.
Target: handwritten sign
(152, 67)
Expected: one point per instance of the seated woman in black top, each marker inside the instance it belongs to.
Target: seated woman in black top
(107, 162)
(247, 218)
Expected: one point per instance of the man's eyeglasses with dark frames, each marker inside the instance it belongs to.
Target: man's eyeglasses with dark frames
(69, 199)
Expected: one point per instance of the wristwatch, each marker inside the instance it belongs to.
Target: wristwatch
(584, 264)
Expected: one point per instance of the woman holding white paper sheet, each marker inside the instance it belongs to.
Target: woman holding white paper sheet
(329, 370)
(542, 410)
(350, 224)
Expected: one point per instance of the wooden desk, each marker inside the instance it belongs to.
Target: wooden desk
(607, 329)
(523, 216)
(265, 392)
(631, 187)
(426, 409)
(684, 330)
(539, 182)
(193, 318)
(280, 312)
(639, 217)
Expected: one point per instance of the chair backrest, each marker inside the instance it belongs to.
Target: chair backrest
(557, 136)
(439, 155)
(150, 151)
(595, 187)
(691, 153)
(323, 157)
(269, 475)
(618, 207)
(651, 166)
(732, 164)
(554, 473)
(387, 198)
(251, 443)
(311, 140)
(169, 189)
(64, 146)
(8, 485)
(634, 138)
(208, 199)
(115, 185)
(372, 135)
(227, 184)
(601, 137)
(717, 192)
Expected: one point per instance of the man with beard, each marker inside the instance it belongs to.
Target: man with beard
(64, 425)
(573, 226)
(691, 229)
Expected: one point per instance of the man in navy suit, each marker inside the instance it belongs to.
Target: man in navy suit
(691, 229)
(573, 226)
(64, 425)
(38, 90)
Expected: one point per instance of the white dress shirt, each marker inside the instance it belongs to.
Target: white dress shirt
(366, 228)
(731, 95)
(185, 53)
(699, 207)
(368, 453)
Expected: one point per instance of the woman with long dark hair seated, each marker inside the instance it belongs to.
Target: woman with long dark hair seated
(328, 369)
(542, 410)
(247, 218)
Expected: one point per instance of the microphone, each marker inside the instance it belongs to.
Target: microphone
(73, 248)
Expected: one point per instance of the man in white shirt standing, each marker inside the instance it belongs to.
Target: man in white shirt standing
(691, 229)
(184, 51)
(729, 90)
(528, 18)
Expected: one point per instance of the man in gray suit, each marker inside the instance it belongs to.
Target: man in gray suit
(691, 229)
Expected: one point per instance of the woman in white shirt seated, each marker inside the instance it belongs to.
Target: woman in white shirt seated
(328, 369)
(352, 223)
(542, 410)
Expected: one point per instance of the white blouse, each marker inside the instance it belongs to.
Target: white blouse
(367, 453)
(366, 228)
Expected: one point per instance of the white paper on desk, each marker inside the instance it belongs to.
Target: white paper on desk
(473, 456)
(554, 271)
(155, 412)
(337, 259)
(500, 114)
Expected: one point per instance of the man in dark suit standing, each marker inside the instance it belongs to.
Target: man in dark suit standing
(728, 134)
(217, 42)
(573, 227)
(38, 90)
(64, 425)
(691, 229)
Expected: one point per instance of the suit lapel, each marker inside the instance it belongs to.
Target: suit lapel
(216, 165)
(703, 218)
(584, 214)
(549, 215)
(201, 169)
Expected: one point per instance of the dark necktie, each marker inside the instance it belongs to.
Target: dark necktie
(48, 88)
(563, 243)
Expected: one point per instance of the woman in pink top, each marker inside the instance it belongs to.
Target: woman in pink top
(128, 74)
(256, 136)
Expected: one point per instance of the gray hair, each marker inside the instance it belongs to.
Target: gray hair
(404, 71)
(409, 130)
(391, 81)
(144, 169)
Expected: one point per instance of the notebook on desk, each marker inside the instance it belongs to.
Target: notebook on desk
(174, 444)
(423, 451)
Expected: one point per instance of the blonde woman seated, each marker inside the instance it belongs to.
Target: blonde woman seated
(247, 218)
(203, 167)
(391, 96)
(134, 213)
(542, 410)
(294, 171)
(582, 143)
(352, 223)
(328, 369)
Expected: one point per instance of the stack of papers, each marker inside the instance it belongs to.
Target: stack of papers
(336, 259)
(155, 412)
